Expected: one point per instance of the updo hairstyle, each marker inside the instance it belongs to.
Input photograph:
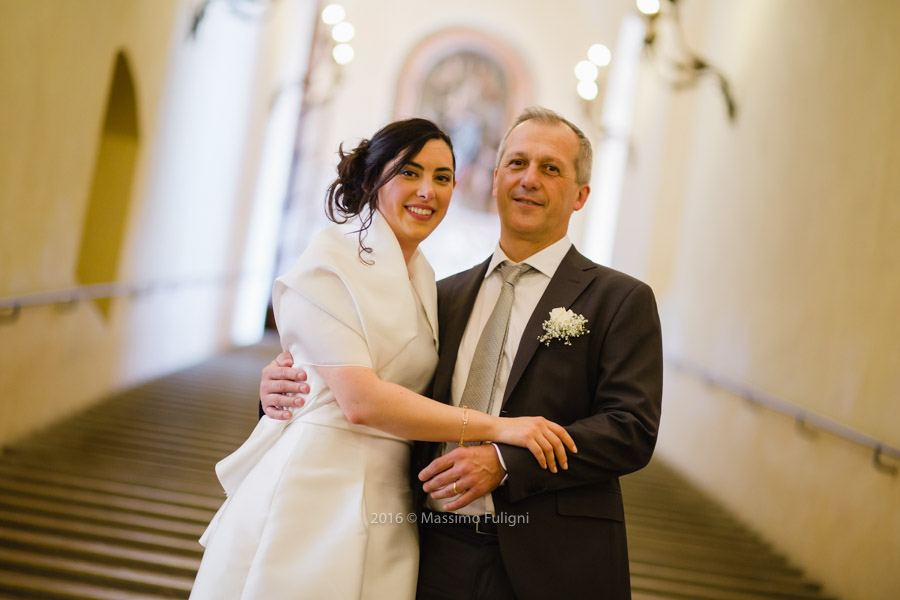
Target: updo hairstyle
(361, 172)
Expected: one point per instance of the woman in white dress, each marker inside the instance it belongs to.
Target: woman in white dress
(317, 506)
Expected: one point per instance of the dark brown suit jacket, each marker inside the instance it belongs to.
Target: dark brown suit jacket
(565, 532)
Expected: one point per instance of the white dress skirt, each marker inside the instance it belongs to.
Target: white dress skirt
(318, 507)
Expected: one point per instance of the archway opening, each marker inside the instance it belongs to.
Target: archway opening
(103, 233)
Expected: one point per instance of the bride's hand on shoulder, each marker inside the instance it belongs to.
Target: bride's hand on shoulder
(546, 440)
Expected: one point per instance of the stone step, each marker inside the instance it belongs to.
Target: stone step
(81, 481)
(87, 449)
(87, 439)
(64, 526)
(102, 551)
(734, 543)
(163, 429)
(28, 585)
(765, 587)
(722, 565)
(114, 468)
(662, 541)
(89, 514)
(712, 536)
(108, 501)
(648, 508)
(692, 591)
(92, 572)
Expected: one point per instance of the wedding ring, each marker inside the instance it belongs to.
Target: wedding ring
(455, 491)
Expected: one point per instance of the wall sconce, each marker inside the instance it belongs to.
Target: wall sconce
(331, 35)
(587, 71)
(591, 74)
(678, 65)
(341, 32)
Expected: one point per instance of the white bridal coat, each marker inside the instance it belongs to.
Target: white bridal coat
(312, 502)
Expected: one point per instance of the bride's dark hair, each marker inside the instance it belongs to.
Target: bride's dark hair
(361, 172)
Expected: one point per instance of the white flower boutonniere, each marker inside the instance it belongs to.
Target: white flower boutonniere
(562, 325)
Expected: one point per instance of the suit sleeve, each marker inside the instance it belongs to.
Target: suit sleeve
(619, 435)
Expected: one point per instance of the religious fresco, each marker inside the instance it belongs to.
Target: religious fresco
(466, 93)
(472, 84)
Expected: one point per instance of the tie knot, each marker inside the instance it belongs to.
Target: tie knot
(511, 272)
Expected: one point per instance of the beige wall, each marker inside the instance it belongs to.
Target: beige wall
(202, 108)
(57, 60)
(56, 66)
(773, 249)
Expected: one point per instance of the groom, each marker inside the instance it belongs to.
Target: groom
(596, 370)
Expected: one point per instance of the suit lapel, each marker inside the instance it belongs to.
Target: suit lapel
(570, 280)
(459, 299)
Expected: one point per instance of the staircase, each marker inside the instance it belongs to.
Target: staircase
(109, 504)
(683, 545)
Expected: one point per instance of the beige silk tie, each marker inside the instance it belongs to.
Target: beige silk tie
(479, 391)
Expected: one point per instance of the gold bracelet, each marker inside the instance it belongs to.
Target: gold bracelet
(465, 418)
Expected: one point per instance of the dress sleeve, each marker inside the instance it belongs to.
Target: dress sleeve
(319, 322)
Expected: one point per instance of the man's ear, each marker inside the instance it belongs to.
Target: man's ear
(581, 200)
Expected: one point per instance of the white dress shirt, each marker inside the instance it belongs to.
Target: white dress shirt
(529, 289)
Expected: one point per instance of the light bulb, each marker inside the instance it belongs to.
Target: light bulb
(599, 55)
(586, 71)
(587, 89)
(343, 32)
(342, 53)
(333, 13)
(648, 7)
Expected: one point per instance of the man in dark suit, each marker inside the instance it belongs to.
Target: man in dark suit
(494, 524)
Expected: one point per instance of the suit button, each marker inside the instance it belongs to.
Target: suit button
(504, 412)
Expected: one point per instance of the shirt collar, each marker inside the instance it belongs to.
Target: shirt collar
(546, 261)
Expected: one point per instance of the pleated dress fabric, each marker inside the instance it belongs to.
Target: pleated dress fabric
(317, 506)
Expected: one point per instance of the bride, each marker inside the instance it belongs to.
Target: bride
(319, 506)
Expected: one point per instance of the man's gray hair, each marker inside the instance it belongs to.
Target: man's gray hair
(583, 160)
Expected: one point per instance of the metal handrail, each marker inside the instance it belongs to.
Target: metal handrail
(806, 420)
(97, 291)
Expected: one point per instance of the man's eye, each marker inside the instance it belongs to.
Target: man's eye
(516, 162)
(553, 168)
